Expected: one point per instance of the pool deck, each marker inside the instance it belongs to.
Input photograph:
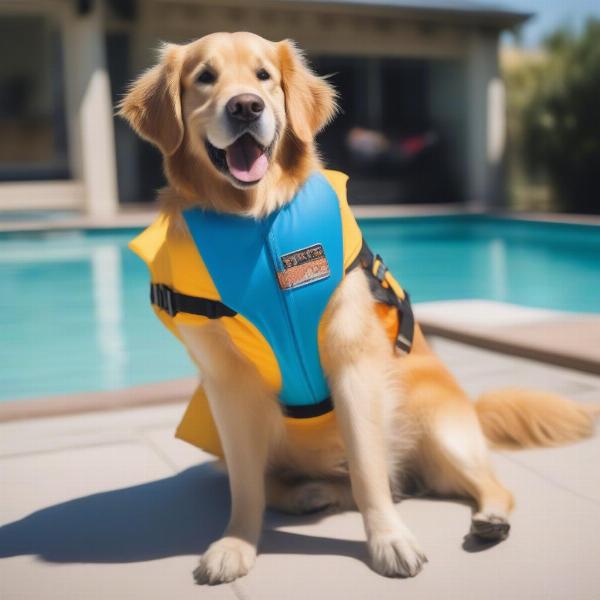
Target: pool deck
(564, 339)
(109, 505)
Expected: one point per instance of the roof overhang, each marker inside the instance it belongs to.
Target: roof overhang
(457, 13)
(454, 11)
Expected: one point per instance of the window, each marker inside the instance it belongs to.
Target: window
(33, 133)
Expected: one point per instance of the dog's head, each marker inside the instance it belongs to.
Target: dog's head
(234, 102)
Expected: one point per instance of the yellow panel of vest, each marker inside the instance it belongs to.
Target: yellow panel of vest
(175, 262)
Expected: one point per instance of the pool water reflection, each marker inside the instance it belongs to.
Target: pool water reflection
(75, 315)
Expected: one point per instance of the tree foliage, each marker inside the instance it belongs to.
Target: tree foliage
(556, 115)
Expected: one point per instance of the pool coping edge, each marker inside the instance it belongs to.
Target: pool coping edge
(489, 341)
(140, 218)
(164, 392)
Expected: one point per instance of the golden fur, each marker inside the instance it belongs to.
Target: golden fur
(166, 108)
(395, 417)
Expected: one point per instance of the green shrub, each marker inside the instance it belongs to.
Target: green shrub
(554, 117)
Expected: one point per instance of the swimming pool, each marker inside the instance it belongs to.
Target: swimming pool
(74, 311)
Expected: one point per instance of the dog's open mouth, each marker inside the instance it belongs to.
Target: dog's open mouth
(245, 160)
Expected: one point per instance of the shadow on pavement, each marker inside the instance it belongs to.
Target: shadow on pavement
(178, 515)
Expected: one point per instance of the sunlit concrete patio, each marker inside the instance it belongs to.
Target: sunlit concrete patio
(110, 505)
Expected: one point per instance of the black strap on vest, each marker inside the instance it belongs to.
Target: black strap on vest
(375, 269)
(307, 411)
(173, 302)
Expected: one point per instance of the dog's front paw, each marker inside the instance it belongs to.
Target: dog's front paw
(396, 554)
(225, 560)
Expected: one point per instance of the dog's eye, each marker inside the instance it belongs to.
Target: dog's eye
(263, 74)
(206, 77)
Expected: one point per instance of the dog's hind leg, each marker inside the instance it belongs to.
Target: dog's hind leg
(453, 460)
(308, 495)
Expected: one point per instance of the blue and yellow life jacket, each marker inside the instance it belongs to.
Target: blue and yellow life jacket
(268, 281)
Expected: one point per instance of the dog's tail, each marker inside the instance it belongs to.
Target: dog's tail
(516, 418)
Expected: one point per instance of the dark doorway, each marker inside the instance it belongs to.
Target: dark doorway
(387, 137)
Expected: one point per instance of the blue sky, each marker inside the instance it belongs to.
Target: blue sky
(550, 14)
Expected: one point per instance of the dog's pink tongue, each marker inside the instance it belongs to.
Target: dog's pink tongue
(246, 160)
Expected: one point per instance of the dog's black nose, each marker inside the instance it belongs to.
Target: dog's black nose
(245, 107)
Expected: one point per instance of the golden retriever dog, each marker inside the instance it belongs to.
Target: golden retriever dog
(396, 417)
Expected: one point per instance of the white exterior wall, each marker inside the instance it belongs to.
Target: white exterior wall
(89, 107)
(486, 122)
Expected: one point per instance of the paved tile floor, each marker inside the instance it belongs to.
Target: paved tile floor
(533, 331)
(111, 506)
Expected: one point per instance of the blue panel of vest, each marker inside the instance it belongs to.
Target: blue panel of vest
(280, 272)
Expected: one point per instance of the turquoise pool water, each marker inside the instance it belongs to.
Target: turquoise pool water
(74, 311)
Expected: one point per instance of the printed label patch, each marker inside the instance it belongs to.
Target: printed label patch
(302, 267)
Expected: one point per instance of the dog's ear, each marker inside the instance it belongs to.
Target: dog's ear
(309, 99)
(153, 104)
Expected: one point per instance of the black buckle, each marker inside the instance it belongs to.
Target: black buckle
(404, 338)
(403, 344)
(162, 296)
(381, 269)
(383, 292)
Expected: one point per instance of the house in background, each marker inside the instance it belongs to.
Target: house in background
(422, 100)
